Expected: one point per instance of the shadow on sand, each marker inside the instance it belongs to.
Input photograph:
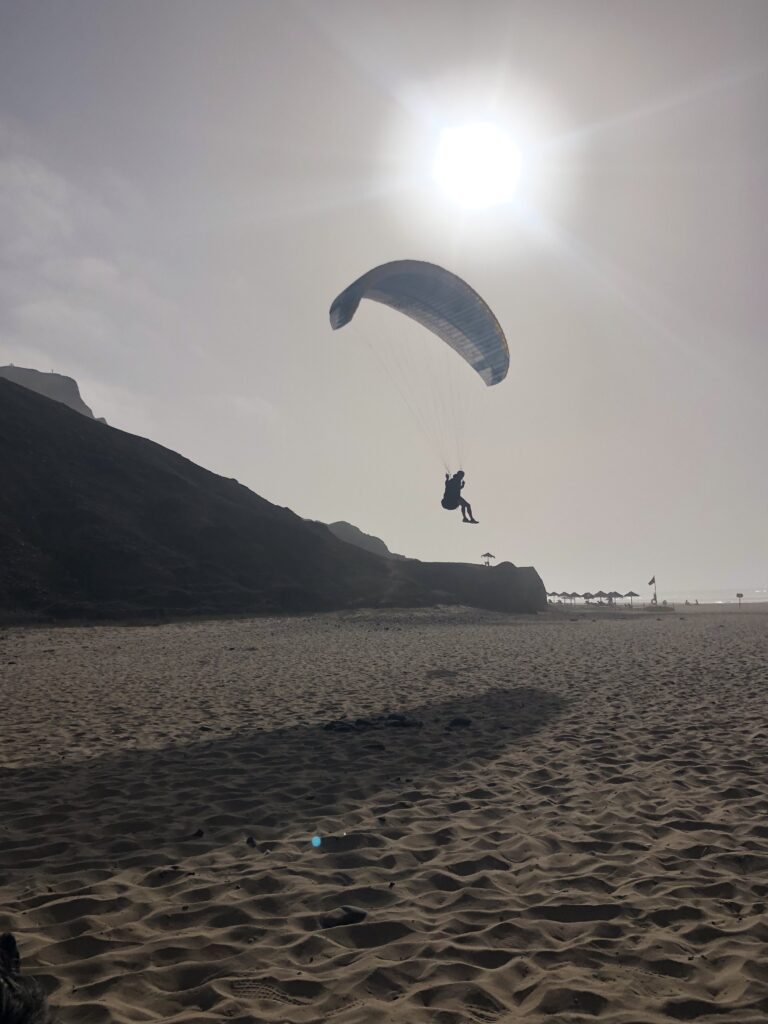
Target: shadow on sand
(269, 787)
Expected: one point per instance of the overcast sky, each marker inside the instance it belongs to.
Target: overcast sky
(185, 186)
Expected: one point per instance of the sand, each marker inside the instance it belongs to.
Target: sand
(587, 841)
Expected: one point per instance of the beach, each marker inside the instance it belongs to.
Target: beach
(567, 822)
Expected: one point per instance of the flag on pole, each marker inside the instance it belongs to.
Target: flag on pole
(652, 582)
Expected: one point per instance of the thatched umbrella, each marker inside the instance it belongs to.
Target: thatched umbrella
(574, 596)
(487, 558)
(587, 596)
(613, 595)
(601, 594)
(630, 595)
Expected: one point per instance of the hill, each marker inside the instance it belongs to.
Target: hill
(99, 523)
(52, 385)
(352, 535)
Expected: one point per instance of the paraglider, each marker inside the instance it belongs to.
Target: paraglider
(439, 301)
(448, 307)
(452, 498)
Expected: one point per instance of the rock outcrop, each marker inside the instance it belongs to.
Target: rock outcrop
(352, 535)
(52, 385)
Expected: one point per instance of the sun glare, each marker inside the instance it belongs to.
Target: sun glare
(477, 165)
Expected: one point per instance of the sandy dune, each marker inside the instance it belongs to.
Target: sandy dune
(576, 830)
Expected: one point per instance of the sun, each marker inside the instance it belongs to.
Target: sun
(477, 165)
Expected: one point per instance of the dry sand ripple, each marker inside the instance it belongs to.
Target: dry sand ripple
(568, 824)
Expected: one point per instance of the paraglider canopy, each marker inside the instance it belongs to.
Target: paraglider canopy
(439, 301)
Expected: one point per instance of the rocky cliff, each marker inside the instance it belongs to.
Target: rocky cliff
(99, 523)
(52, 385)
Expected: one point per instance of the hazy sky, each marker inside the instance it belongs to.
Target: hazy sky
(185, 186)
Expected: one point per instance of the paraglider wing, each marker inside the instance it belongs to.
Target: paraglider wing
(439, 301)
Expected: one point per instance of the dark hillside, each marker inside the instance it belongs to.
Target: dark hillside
(95, 521)
(98, 523)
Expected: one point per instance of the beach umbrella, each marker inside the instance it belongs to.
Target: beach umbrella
(630, 595)
(613, 595)
(487, 557)
(574, 596)
(587, 596)
(601, 594)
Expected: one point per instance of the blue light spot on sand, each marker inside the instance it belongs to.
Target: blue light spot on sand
(316, 840)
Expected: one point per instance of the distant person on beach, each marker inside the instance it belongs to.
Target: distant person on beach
(452, 497)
